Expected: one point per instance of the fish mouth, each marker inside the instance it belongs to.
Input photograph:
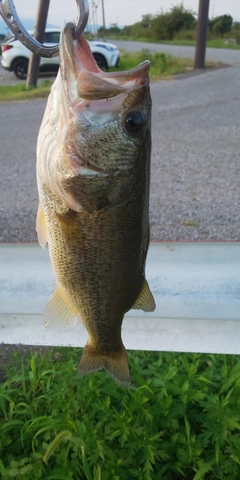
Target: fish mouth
(80, 166)
(90, 171)
(85, 169)
(76, 59)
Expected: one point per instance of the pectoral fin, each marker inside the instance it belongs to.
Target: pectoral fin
(59, 312)
(145, 300)
(41, 227)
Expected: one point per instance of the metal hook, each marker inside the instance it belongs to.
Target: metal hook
(11, 18)
(82, 18)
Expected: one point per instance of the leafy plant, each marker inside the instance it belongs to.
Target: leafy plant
(161, 64)
(179, 419)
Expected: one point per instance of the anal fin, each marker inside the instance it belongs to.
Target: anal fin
(59, 312)
(145, 300)
(116, 364)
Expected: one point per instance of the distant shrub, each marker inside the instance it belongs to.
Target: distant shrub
(186, 35)
(137, 31)
(167, 25)
(221, 25)
(162, 26)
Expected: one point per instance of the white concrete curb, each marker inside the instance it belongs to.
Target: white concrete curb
(196, 287)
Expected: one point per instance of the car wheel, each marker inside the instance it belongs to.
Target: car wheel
(101, 61)
(20, 67)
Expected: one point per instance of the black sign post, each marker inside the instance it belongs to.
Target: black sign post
(39, 29)
(202, 26)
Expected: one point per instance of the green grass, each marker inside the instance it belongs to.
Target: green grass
(19, 92)
(219, 43)
(179, 420)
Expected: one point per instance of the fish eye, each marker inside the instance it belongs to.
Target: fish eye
(134, 122)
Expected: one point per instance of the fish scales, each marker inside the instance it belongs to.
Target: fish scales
(93, 171)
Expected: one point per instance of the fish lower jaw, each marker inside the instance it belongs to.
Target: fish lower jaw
(80, 166)
(88, 171)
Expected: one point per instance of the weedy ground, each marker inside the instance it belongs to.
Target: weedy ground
(162, 66)
(179, 420)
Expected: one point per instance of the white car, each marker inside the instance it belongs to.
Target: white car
(15, 56)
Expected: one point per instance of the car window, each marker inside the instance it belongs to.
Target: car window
(51, 37)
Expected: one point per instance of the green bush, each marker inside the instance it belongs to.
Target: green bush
(179, 420)
(162, 26)
(186, 35)
(137, 31)
(168, 24)
(221, 25)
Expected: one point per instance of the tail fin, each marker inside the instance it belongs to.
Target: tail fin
(116, 364)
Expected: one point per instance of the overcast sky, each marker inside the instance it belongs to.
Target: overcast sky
(122, 12)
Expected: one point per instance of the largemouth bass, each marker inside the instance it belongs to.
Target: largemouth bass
(93, 172)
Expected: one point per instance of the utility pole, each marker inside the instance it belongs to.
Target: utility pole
(93, 19)
(39, 29)
(202, 26)
(104, 26)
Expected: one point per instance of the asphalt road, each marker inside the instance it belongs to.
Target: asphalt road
(195, 187)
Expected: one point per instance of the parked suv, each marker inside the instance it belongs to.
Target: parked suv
(15, 56)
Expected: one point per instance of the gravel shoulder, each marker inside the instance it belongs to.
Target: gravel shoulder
(195, 189)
